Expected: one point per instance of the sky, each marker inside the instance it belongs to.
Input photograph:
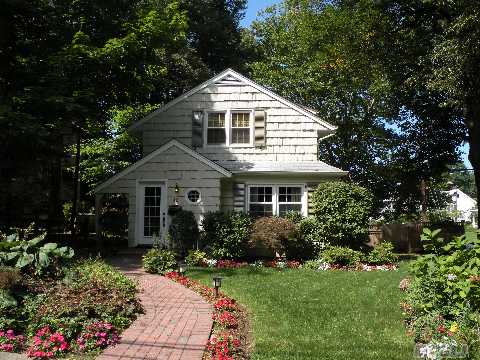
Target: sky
(254, 6)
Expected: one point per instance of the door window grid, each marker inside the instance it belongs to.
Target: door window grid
(151, 210)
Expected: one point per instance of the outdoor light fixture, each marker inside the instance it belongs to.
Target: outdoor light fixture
(217, 282)
(177, 189)
(182, 268)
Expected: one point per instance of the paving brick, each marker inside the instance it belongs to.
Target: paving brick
(176, 324)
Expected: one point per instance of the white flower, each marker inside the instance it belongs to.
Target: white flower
(451, 277)
(211, 262)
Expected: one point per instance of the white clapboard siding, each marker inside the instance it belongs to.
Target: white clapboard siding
(290, 135)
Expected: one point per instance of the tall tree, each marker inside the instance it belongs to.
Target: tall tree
(442, 40)
(339, 59)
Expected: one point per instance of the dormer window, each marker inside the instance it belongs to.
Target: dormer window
(216, 131)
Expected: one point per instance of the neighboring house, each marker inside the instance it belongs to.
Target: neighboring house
(228, 144)
(465, 206)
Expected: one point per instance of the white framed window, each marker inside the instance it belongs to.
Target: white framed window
(216, 129)
(229, 128)
(268, 200)
(241, 127)
(261, 200)
(193, 196)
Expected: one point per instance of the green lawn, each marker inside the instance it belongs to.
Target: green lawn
(302, 314)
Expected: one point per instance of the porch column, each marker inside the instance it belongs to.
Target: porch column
(98, 225)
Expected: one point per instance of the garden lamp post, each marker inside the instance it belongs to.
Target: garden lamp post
(182, 268)
(217, 283)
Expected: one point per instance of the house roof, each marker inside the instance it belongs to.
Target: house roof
(161, 149)
(226, 77)
(310, 167)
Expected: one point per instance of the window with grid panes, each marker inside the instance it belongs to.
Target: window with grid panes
(260, 201)
(289, 199)
(151, 211)
(240, 127)
(216, 134)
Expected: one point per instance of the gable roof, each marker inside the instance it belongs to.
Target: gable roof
(231, 77)
(161, 149)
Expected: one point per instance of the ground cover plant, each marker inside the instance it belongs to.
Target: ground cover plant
(305, 314)
(81, 311)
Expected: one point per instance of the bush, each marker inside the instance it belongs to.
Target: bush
(157, 261)
(32, 257)
(311, 232)
(445, 292)
(341, 256)
(196, 258)
(183, 231)
(91, 291)
(273, 233)
(342, 212)
(226, 234)
(294, 216)
(382, 254)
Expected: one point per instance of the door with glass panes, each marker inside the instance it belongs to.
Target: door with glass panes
(152, 212)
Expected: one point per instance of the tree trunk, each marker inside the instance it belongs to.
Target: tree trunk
(472, 119)
(73, 219)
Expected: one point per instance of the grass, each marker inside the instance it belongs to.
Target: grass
(304, 314)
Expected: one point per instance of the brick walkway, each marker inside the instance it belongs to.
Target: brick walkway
(176, 324)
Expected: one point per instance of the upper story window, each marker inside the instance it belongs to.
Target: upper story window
(230, 127)
(216, 131)
(241, 127)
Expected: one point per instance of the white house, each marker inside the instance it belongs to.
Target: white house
(228, 144)
(465, 206)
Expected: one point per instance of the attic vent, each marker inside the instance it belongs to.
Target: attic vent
(228, 80)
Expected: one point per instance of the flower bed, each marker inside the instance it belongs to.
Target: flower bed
(292, 264)
(229, 339)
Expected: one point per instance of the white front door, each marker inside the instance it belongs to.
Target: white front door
(151, 212)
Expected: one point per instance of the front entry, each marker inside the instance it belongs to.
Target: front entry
(151, 212)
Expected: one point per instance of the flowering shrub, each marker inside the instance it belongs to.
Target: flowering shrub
(222, 346)
(10, 342)
(196, 258)
(47, 344)
(225, 304)
(97, 335)
(225, 319)
(229, 264)
(442, 300)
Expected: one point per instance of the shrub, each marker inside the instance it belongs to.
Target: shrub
(274, 233)
(311, 264)
(294, 216)
(92, 290)
(30, 256)
(196, 258)
(97, 335)
(48, 344)
(183, 231)
(382, 254)
(342, 211)
(226, 234)
(9, 277)
(157, 261)
(10, 342)
(341, 256)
